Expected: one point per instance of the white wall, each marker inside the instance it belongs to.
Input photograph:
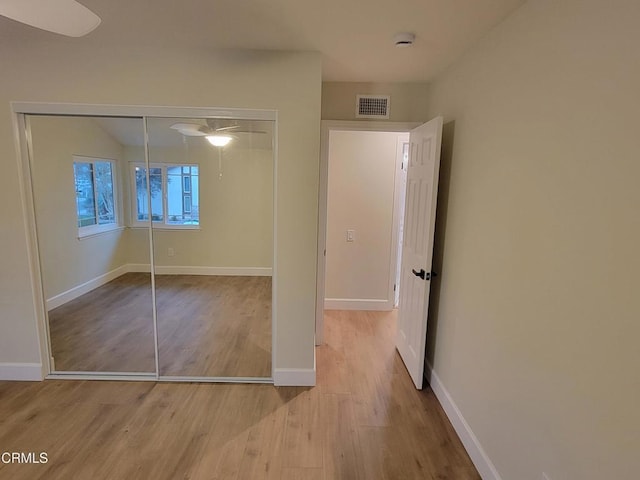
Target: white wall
(536, 334)
(61, 71)
(362, 168)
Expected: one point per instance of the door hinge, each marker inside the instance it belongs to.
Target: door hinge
(394, 287)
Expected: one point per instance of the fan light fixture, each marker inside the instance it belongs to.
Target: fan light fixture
(66, 17)
(404, 39)
(218, 140)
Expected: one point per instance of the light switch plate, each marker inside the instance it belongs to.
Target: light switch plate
(351, 235)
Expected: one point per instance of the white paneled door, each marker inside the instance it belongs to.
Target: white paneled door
(417, 249)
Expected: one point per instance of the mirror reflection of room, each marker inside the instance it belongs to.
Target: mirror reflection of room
(95, 270)
(209, 207)
(212, 215)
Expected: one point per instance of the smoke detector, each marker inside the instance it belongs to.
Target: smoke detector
(405, 39)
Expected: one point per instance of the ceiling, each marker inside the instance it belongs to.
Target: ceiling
(129, 131)
(355, 37)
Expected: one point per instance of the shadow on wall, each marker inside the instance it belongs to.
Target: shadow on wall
(442, 208)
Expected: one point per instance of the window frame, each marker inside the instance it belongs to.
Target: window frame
(162, 224)
(91, 230)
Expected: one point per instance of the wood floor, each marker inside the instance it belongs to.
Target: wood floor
(364, 420)
(216, 326)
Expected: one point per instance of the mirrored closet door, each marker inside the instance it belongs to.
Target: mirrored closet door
(213, 245)
(155, 242)
(95, 268)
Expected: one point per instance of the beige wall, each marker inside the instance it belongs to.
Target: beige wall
(60, 71)
(408, 102)
(139, 247)
(538, 325)
(236, 211)
(66, 260)
(360, 197)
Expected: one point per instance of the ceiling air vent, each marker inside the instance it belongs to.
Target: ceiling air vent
(372, 106)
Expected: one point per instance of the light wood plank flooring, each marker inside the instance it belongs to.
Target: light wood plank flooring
(364, 420)
(207, 326)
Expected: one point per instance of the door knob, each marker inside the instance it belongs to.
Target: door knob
(424, 275)
(420, 274)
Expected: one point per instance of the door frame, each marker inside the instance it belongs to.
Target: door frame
(22, 143)
(326, 127)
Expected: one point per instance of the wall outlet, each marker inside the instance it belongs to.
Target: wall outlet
(351, 235)
(171, 252)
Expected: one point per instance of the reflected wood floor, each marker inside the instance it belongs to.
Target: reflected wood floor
(207, 326)
(364, 421)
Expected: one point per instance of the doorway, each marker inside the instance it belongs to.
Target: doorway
(417, 246)
(361, 190)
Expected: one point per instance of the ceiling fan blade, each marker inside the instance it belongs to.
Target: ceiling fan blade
(66, 17)
(191, 129)
(261, 132)
(222, 129)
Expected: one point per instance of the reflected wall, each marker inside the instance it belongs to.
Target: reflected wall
(95, 270)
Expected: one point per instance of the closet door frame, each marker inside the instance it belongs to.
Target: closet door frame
(22, 143)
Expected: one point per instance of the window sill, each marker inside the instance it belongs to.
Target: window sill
(176, 227)
(168, 227)
(99, 232)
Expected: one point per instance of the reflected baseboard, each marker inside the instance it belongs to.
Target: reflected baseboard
(79, 290)
(86, 287)
(223, 271)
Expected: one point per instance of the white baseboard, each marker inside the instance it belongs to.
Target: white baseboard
(294, 377)
(357, 304)
(92, 284)
(224, 271)
(138, 268)
(86, 287)
(21, 371)
(472, 445)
